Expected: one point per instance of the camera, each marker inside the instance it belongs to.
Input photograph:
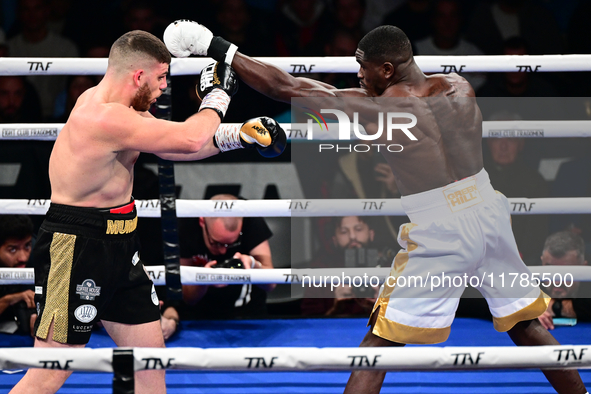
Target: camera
(230, 263)
(361, 257)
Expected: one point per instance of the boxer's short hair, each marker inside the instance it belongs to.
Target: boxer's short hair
(140, 42)
(386, 44)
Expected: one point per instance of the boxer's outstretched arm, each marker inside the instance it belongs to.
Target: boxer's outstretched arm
(276, 83)
(279, 85)
(183, 38)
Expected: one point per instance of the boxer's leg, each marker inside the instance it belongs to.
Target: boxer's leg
(369, 381)
(531, 333)
(140, 335)
(42, 381)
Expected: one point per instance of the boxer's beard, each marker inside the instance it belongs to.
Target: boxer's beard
(143, 99)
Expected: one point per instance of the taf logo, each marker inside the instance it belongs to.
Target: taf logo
(363, 361)
(570, 354)
(528, 69)
(223, 205)
(260, 362)
(467, 358)
(451, 68)
(157, 363)
(55, 364)
(39, 66)
(301, 68)
(373, 205)
(298, 205)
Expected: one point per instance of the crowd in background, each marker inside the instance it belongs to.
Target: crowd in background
(66, 28)
(517, 167)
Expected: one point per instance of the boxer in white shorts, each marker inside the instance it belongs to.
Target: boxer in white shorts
(447, 147)
(462, 228)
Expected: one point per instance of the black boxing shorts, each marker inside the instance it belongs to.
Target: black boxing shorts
(87, 268)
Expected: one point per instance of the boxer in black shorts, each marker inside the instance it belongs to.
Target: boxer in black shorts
(87, 267)
(89, 260)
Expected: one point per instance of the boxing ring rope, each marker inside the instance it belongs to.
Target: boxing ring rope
(303, 276)
(336, 64)
(304, 358)
(297, 131)
(306, 208)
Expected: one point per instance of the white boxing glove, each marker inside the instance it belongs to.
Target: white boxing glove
(184, 38)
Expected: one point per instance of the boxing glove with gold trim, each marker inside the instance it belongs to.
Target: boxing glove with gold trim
(263, 134)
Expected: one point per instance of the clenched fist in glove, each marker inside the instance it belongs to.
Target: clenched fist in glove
(262, 133)
(184, 38)
(217, 84)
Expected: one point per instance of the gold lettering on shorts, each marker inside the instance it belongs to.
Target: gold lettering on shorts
(121, 226)
(461, 195)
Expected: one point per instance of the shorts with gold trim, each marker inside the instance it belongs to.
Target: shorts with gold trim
(460, 234)
(87, 268)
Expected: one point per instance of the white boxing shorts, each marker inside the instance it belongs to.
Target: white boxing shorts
(459, 235)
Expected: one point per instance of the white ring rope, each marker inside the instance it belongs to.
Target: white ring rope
(299, 131)
(303, 276)
(299, 65)
(268, 359)
(305, 208)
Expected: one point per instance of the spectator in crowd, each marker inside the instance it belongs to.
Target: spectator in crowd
(349, 15)
(516, 84)
(142, 15)
(446, 38)
(58, 13)
(579, 41)
(376, 10)
(100, 27)
(353, 246)
(341, 43)
(251, 31)
(513, 178)
(3, 46)
(301, 28)
(412, 18)
(75, 86)
(565, 248)
(367, 175)
(19, 102)
(574, 180)
(98, 49)
(17, 306)
(492, 23)
(210, 241)
(238, 24)
(36, 40)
